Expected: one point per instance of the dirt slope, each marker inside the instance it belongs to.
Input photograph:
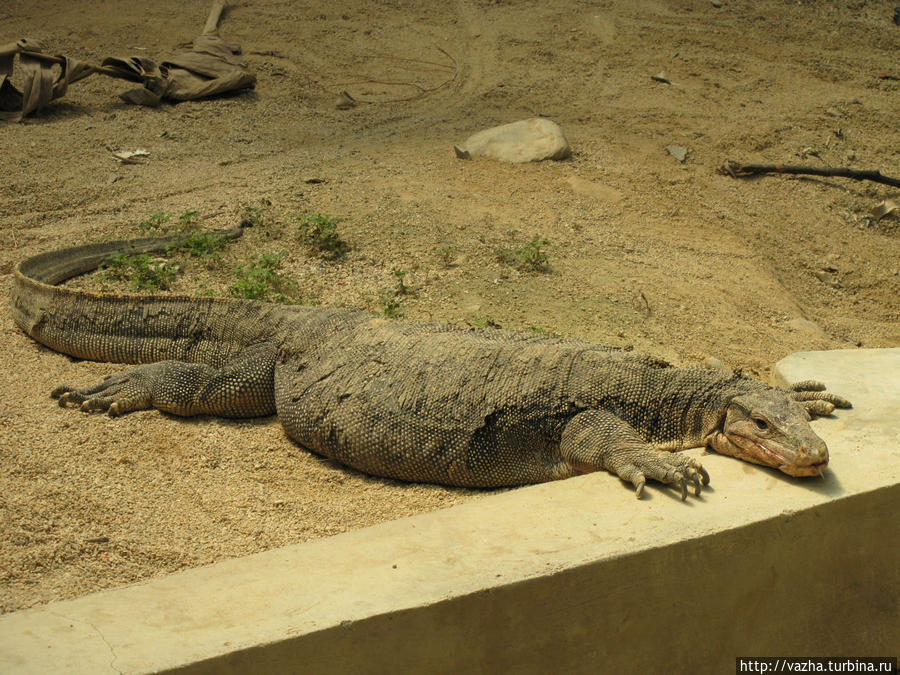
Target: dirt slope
(643, 250)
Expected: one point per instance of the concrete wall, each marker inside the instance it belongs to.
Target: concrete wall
(820, 582)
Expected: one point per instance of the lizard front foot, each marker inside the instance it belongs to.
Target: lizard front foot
(597, 439)
(638, 464)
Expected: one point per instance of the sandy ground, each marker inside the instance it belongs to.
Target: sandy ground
(646, 251)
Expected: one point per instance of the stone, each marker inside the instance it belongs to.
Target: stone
(677, 152)
(530, 140)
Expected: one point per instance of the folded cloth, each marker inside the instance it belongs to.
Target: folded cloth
(209, 67)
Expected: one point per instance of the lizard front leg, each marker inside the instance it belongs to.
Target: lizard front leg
(243, 387)
(597, 439)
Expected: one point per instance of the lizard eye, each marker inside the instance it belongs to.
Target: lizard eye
(761, 424)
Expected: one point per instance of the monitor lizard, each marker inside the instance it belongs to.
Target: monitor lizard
(421, 402)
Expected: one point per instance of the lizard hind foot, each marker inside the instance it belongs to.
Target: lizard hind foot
(116, 395)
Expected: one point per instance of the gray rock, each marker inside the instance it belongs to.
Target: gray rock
(530, 140)
(677, 152)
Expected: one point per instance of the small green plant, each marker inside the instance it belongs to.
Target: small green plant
(187, 219)
(200, 245)
(531, 257)
(401, 288)
(260, 280)
(539, 330)
(486, 322)
(391, 299)
(446, 255)
(391, 307)
(141, 271)
(155, 222)
(319, 232)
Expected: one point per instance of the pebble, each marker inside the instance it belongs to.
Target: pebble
(677, 152)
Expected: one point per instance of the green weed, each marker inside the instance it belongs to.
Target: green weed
(200, 245)
(156, 222)
(391, 307)
(530, 258)
(319, 232)
(486, 322)
(260, 280)
(187, 219)
(141, 271)
(391, 300)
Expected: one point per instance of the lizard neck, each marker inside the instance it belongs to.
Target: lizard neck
(672, 408)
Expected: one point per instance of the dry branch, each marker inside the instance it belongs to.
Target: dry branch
(736, 170)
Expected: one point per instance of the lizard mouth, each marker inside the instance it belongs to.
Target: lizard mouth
(761, 453)
(817, 469)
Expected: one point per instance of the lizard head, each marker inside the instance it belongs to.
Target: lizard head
(767, 427)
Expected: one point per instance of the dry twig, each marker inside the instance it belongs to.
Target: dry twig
(736, 170)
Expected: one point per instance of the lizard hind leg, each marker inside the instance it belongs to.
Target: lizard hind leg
(243, 387)
(597, 439)
(170, 386)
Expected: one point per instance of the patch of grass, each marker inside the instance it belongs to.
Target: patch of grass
(530, 258)
(319, 232)
(145, 272)
(158, 222)
(142, 271)
(539, 330)
(260, 280)
(533, 257)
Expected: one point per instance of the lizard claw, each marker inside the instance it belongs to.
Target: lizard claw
(665, 467)
(639, 490)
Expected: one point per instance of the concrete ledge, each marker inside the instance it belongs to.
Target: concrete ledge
(573, 576)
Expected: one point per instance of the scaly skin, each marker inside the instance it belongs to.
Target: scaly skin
(418, 402)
